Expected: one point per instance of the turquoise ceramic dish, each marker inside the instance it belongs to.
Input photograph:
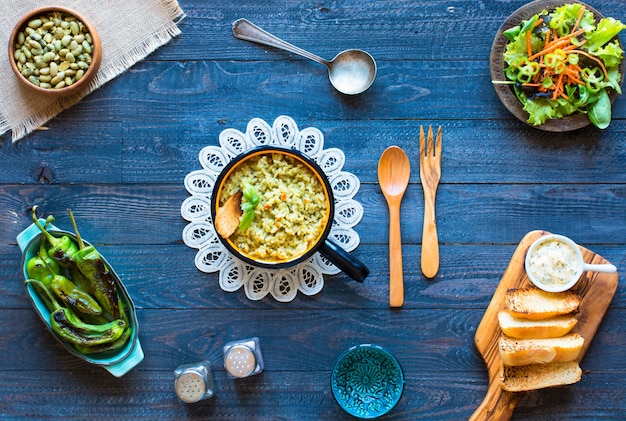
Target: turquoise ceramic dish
(367, 381)
(117, 362)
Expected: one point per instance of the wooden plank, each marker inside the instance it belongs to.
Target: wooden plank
(426, 30)
(220, 90)
(148, 214)
(159, 151)
(156, 275)
(442, 373)
(302, 396)
(65, 152)
(421, 339)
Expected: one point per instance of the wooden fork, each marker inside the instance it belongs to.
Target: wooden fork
(430, 173)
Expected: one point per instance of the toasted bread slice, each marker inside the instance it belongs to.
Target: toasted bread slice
(521, 328)
(536, 304)
(516, 352)
(539, 376)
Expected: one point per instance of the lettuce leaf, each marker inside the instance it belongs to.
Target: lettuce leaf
(614, 79)
(600, 111)
(606, 30)
(539, 110)
(611, 54)
(564, 18)
(600, 41)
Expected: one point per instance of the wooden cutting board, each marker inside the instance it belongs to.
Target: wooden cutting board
(596, 290)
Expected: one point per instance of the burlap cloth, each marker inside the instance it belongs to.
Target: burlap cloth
(129, 30)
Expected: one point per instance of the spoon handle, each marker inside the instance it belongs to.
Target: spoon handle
(603, 268)
(430, 241)
(246, 30)
(396, 282)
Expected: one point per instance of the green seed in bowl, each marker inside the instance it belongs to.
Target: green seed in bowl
(48, 45)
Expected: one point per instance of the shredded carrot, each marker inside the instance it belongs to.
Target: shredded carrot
(547, 39)
(570, 47)
(597, 60)
(557, 43)
(553, 78)
(580, 17)
(539, 22)
(559, 87)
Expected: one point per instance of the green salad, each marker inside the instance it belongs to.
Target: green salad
(564, 62)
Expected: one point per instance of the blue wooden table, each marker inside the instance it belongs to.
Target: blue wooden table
(119, 157)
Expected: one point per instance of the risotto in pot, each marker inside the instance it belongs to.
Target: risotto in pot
(291, 212)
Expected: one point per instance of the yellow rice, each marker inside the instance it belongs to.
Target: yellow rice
(291, 213)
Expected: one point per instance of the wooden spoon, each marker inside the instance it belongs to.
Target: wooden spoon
(228, 216)
(394, 170)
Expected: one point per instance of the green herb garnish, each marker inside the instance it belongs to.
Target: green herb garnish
(250, 202)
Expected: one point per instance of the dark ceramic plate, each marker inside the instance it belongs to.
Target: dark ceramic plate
(506, 93)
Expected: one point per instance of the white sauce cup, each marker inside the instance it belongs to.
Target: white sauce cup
(554, 263)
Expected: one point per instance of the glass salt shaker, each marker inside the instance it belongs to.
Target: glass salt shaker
(194, 382)
(243, 358)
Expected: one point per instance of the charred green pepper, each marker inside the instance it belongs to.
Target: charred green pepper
(40, 266)
(91, 265)
(67, 291)
(69, 327)
(62, 249)
(110, 346)
(78, 333)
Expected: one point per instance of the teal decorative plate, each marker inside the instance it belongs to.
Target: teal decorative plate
(367, 381)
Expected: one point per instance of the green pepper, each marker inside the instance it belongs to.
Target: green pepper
(547, 83)
(67, 291)
(90, 263)
(109, 346)
(593, 78)
(527, 70)
(62, 249)
(69, 327)
(75, 331)
(40, 266)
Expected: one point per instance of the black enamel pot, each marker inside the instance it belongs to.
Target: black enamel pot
(323, 244)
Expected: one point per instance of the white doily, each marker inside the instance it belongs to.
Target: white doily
(212, 256)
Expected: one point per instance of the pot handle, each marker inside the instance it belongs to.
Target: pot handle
(348, 264)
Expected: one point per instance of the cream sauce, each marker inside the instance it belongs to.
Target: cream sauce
(553, 263)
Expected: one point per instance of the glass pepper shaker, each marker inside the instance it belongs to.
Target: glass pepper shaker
(243, 358)
(194, 382)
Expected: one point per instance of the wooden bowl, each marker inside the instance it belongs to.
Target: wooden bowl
(506, 92)
(90, 72)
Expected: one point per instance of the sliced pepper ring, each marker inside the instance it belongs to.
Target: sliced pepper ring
(593, 78)
(527, 70)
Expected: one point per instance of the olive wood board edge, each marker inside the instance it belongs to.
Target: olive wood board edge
(596, 290)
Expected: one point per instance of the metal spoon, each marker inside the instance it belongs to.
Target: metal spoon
(351, 71)
(394, 170)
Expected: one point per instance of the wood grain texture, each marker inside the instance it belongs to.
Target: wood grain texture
(119, 157)
(430, 174)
